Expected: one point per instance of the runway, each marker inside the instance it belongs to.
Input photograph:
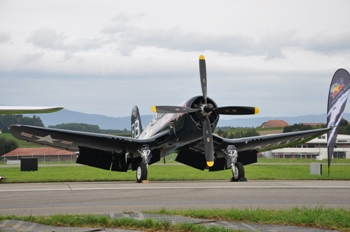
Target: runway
(112, 197)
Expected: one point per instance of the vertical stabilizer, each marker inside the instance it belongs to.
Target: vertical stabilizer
(136, 126)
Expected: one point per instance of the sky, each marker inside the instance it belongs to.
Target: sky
(104, 57)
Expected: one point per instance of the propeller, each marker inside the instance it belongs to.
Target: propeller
(206, 109)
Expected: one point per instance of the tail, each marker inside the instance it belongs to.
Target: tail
(136, 126)
(337, 98)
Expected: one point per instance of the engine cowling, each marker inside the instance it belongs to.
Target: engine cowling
(198, 117)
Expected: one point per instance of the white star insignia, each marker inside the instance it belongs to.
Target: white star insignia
(46, 138)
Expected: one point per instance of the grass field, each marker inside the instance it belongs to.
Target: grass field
(260, 171)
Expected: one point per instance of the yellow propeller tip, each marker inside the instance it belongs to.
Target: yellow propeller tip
(154, 109)
(201, 57)
(256, 110)
(210, 163)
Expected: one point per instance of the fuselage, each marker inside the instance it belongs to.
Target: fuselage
(186, 127)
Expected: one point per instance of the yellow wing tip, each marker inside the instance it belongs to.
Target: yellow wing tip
(201, 57)
(256, 110)
(210, 163)
(154, 109)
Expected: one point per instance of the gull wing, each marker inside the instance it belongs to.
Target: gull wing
(269, 142)
(72, 140)
(117, 153)
(248, 147)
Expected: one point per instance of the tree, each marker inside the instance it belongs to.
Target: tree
(343, 122)
(5, 129)
(295, 127)
(8, 120)
(7, 145)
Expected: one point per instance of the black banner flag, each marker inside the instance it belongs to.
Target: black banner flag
(338, 95)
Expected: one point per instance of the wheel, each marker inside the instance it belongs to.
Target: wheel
(237, 172)
(141, 172)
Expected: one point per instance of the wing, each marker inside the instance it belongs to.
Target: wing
(28, 109)
(193, 154)
(270, 142)
(98, 150)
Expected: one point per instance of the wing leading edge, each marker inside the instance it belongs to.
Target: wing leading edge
(28, 109)
(270, 142)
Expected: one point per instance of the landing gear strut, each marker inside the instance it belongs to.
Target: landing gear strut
(237, 167)
(142, 168)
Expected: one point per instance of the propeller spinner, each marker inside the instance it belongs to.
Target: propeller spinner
(206, 109)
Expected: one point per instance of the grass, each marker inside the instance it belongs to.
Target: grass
(105, 222)
(169, 172)
(319, 217)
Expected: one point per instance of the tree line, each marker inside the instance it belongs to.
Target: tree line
(344, 127)
(8, 120)
(238, 134)
(89, 128)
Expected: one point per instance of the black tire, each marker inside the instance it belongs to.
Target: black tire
(238, 173)
(141, 172)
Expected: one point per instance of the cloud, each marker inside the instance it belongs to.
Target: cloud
(125, 17)
(127, 38)
(4, 38)
(328, 44)
(48, 38)
(31, 57)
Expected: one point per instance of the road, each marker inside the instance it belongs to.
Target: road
(112, 197)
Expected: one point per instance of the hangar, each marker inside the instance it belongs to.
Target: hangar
(44, 154)
(314, 149)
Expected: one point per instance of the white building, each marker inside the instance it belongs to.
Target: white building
(315, 149)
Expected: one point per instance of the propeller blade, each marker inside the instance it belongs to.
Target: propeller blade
(203, 76)
(208, 142)
(236, 110)
(173, 109)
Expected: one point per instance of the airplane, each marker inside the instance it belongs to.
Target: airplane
(28, 109)
(186, 129)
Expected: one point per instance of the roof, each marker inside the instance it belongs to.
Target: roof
(274, 123)
(37, 152)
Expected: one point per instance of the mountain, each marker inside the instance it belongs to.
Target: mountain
(121, 123)
(104, 122)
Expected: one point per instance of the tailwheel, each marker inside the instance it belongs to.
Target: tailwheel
(238, 172)
(141, 172)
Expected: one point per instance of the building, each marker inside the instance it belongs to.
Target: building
(314, 149)
(274, 123)
(44, 154)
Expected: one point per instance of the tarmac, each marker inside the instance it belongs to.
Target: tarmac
(16, 225)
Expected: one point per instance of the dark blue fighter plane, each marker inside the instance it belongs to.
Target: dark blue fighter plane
(185, 129)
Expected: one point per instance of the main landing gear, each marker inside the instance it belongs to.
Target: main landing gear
(142, 168)
(237, 167)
